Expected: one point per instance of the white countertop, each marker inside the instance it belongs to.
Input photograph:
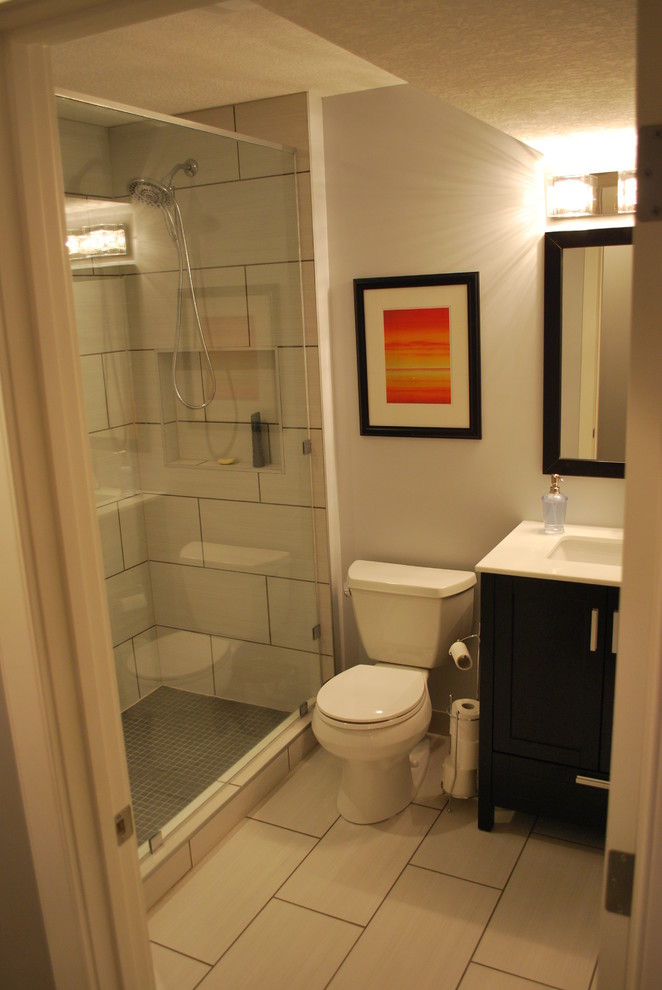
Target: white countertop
(525, 553)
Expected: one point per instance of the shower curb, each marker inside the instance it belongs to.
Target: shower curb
(208, 825)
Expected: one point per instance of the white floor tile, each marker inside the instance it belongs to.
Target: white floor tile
(212, 905)
(455, 845)
(306, 801)
(545, 927)
(481, 978)
(422, 936)
(285, 947)
(583, 835)
(353, 867)
(174, 971)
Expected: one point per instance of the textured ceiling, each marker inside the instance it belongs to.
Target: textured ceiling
(530, 69)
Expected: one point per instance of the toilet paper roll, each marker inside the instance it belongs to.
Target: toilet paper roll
(466, 709)
(460, 773)
(461, 656)
(459, 783)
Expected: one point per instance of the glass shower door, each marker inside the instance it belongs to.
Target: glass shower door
(196, 387)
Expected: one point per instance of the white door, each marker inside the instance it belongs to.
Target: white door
(630, 948)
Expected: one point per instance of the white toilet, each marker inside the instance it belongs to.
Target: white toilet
(374, 717)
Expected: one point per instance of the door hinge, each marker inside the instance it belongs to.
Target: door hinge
(317, 631)
(124, 825)
(649, 173)
(620, 874)
(307, 446)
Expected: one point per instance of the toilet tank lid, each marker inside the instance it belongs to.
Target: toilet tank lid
(407, 579)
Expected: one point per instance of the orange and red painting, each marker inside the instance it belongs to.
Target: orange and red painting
(418, 355)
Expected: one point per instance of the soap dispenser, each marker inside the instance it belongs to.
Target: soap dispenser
(553, 507)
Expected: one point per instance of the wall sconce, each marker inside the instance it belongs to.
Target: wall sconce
(599, 194)
(627, 192)
(571, 196)
(102, 241)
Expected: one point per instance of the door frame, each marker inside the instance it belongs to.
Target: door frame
(94, 893)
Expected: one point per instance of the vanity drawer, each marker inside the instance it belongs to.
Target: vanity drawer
(544, 788)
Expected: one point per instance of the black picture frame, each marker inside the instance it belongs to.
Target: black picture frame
(388, 311)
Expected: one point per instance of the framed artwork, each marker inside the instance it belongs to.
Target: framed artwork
(418, 351)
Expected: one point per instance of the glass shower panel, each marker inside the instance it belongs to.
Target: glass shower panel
(194, 370)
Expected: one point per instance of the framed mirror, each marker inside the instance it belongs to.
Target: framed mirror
(588, 291)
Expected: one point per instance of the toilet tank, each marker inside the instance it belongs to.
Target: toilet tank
(410, 615)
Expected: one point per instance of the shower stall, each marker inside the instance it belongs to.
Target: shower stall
(184, 243)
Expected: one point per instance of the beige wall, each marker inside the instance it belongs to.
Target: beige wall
(413, 187)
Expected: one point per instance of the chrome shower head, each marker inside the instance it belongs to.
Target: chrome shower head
(161, 193)
(150, 192)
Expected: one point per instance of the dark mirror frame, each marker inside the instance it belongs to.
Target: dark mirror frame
(555, 244)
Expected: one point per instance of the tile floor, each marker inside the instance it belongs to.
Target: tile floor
(178, 743)
(295, 897)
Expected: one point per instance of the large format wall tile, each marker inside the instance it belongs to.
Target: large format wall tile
(151, 150)
(85, 158)
(242, 222)
(111, 539)
(130, 602)
(274, 304)
(293, 485)
(282, 119)
(132, 524)
(157, 476)
(94, 391)
(119, 393)
(181, 660)
(100, 314)
(204, 600)
(293, 613)
(285, 529)
(260, 674)
(220, 296)
(173, 526)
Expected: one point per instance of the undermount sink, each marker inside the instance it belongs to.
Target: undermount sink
(588, 550)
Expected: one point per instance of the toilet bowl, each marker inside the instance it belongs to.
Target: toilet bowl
(374, 717)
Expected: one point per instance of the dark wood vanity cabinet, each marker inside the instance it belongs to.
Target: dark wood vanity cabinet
(547, 670)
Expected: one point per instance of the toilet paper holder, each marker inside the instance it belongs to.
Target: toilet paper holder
(460, 654)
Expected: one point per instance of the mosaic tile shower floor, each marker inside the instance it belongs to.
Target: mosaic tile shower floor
(178, 743)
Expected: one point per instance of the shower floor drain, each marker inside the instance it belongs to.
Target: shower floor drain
(178, 743)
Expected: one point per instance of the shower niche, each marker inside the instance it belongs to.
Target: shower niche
(240, 429)
(197, 372)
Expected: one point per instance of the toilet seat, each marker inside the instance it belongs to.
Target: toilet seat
(369, 696)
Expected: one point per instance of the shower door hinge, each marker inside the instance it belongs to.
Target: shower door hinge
(317, 631)
(307, 446)
(124, 825)
(620, 875)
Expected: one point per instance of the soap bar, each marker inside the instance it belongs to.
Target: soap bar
(227, 460)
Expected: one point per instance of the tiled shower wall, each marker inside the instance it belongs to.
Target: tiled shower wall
(210, 570)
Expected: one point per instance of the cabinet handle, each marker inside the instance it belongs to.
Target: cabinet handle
(595, 614)
(614, 633)
(592, 782)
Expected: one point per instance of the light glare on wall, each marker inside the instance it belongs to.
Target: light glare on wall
(571, 196)
(102, 241)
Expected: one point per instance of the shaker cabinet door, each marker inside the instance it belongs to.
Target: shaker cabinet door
(548, 670)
